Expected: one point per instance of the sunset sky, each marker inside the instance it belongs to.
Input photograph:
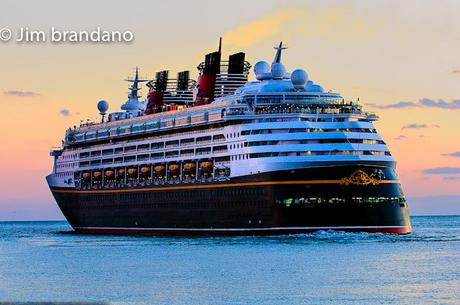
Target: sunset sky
(401, 58)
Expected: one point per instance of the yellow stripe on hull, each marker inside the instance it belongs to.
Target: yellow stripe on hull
(209, 186)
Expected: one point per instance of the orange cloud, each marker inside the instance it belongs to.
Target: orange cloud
(341, 22)
(256, 31)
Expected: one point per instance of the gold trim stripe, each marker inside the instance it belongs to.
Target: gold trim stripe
(209, 186)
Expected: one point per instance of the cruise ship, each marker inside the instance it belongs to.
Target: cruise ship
(224, 155)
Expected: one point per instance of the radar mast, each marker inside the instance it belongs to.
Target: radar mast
(278, 49)
(133, 105)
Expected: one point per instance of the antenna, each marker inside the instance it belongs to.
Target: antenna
(133, 105)
(278, 49)
(220, 44)
(136, 78)
(135, 82)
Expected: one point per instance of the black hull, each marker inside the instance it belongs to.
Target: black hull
(272, 203)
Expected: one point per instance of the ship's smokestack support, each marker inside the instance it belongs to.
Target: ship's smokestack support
(218, 78)
(183, 81)
(156, 95)
(207, 77)
(169, 93)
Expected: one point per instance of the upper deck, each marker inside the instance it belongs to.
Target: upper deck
(319, 106)
(276, 95)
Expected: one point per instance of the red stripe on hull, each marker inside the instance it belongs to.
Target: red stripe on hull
(401, 230)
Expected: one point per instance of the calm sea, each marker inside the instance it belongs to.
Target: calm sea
(40, 262)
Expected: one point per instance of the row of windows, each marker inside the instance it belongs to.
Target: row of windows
(164, 201)
(217, 138)
(296, 130)
(67, 174)
(205, 139)
(122, 130)
(166, 134)
(153, 146)
(217, 149)
(154, 156)
(66, 165)
(178, 196)
(320, 141)
(233, 135)
(240, 157)
(320, 153)
(337, 200)
(68, 156)
(306, 110)
(310, 98)
(315, 119)
(237, 145)
(199, 199)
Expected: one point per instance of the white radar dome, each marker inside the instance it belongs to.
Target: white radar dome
(278, 70)
(299, 78)
(102, 106)
(261, 68)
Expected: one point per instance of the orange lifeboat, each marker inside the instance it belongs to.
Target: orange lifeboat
(159, 170)
(190, 167)
(145, 171)
(97, 175)
(132, 172)
(206, 166)
(174, 168)
(86, 176)
(109, 173)
(121, 172)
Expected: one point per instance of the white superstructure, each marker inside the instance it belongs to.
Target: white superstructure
(280, 121)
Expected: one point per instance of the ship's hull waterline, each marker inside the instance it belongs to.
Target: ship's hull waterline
(345, 198)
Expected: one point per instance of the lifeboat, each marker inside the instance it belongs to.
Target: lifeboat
(86, 176)
(109, 173)
(159, 170)
(145, 171)
(190, 167)
(174, 168)
(97, 175)
(206, 166)
(121, 172)
(132, 172)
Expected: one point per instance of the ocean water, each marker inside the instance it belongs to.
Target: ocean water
(41, 261)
